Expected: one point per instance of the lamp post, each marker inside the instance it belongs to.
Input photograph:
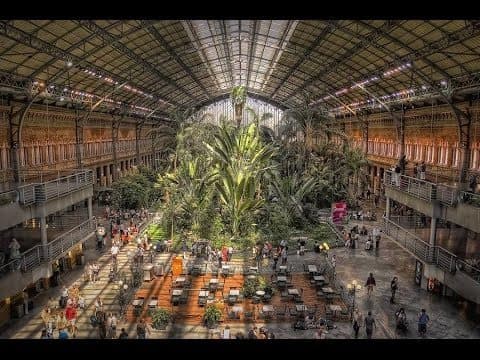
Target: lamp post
(353, 287)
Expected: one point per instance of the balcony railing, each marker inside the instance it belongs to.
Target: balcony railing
(421, 189)
(40, 192)
(34, 257)
(470, 198)
(437, 255)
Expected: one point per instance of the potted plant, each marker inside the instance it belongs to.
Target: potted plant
(160, 318)
(249, 287)
(212, 316)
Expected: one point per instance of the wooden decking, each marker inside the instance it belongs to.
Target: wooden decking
(192, 313)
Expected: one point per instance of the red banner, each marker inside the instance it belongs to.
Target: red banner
(339, 211)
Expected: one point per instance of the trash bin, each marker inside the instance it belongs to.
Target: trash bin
(18, 311)
(158, 269)
(80, 260)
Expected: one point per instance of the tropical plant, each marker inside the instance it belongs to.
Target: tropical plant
(212, 316)
(249, 287)
(238, 96)
(240, 161)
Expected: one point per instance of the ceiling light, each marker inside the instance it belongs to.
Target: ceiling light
(62, 98)
(69, 63)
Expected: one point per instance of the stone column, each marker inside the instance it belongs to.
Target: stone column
(433, 236)
(90, 209)
(43, 235)
(387, 209)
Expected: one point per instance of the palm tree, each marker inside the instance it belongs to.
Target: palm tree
(238, 96)
(240, 160)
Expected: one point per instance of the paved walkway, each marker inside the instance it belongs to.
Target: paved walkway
(447, 319)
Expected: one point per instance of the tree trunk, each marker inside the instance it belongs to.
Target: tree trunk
(238, 114)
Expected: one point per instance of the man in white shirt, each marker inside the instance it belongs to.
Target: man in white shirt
(114, 250)
(226, 332)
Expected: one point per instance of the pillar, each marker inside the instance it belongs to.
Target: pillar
(43, 235)
(107, 175)
(433, 236)
(90, 209)
(387, 209)
(433, 231)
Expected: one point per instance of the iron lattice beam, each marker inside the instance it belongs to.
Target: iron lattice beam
(366, 41)
(34, 42)
(331, 26)
(160, 39)
(117, 45)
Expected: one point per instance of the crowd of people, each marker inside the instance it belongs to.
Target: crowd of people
(356, 235)
(61, 315)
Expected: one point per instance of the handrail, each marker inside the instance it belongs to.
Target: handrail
(437, 255)
(40, 192)
(470, 198)
(421, 189)
(39, 254)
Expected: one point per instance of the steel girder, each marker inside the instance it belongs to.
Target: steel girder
(159, 38)
(331, 26)
(366, 41)
(114, 42)
(34, 42)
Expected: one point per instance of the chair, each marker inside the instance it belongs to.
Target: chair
(293, 312)
(312, 311)
(267, 298)
(184, 297)
(248, 315)
(255, 299)
(280, 313)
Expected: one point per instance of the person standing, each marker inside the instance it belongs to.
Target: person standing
(423, 170)
(275, 260)
(25, 301)
(370, 284)
(284, 255)
(334, 261)
(423, 320)
(142, 329)
(393, 288)
(369, 325)
(123, 334)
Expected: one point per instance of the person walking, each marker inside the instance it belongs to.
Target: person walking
(423, 320)
(370, 284)
(356, 322)
(369, 325)
(393, 288)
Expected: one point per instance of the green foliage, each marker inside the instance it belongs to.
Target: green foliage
(156, 232)
(323, 233)
(160, 318)
(130, 192)
(240, 161)
(212, 315)
(238, 95)
(249, 287)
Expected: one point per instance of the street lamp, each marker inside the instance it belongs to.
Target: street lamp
(353, 287)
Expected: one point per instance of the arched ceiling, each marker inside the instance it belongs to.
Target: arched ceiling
(154, 66)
